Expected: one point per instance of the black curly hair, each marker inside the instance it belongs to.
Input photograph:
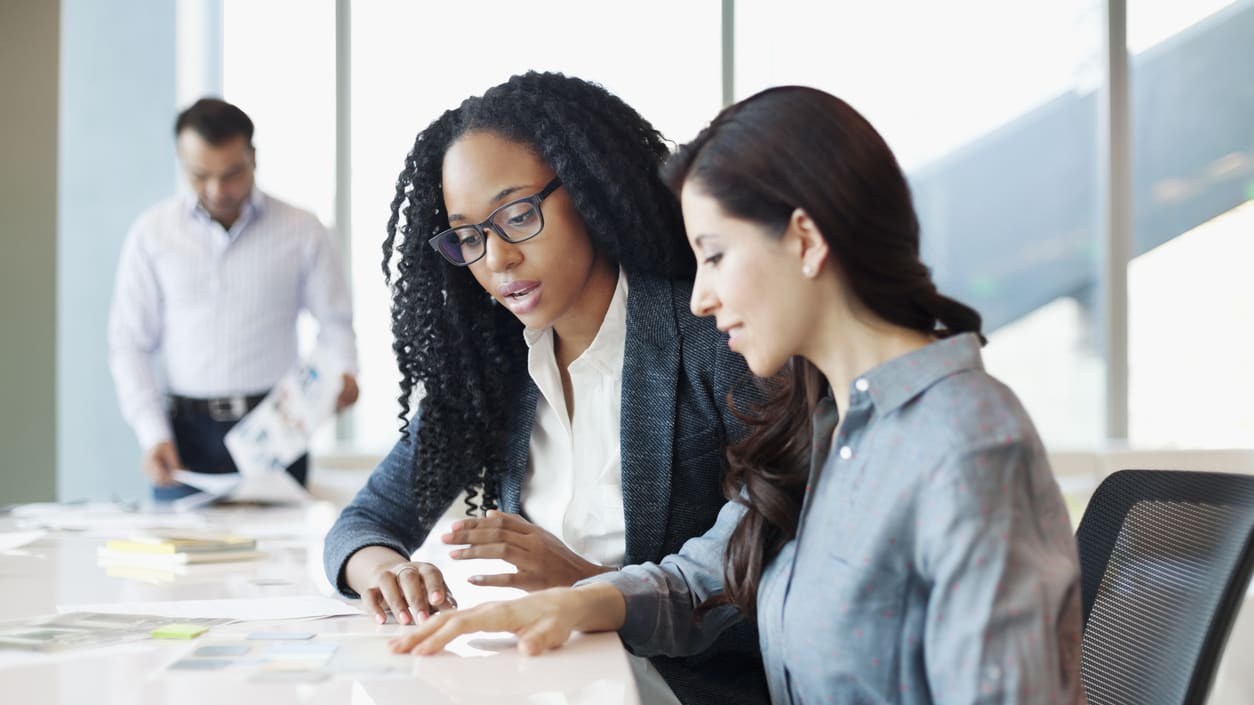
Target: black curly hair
(455, 346)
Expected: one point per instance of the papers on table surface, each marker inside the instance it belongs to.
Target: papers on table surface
(256, 609)
(277, 432)
(107, 518)
(10, 540)
(82, 629)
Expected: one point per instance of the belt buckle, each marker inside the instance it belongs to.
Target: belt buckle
(228, 408)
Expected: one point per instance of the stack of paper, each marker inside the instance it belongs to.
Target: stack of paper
(167, 549)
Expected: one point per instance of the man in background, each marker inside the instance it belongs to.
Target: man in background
(214, 281)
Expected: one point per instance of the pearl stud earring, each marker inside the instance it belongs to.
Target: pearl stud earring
(806, 270)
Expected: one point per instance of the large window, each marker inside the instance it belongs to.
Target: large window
(996, 132)
(991, 107)
(1191, 298)
(290, 96)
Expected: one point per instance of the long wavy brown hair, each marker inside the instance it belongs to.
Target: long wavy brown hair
(761, 159)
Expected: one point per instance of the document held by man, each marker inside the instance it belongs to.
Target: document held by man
(270, 438)
(277, 432)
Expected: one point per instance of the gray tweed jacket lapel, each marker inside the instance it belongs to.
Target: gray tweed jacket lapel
(650, 378)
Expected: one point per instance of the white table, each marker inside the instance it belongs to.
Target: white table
(61, 568)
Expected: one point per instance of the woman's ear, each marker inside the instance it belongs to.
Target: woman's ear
(808, 242)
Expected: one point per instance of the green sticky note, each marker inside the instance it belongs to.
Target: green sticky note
(179, 631)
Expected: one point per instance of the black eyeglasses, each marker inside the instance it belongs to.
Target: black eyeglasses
(516, 221)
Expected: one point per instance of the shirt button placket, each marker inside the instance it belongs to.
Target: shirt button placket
(220, 243)
(860, 387)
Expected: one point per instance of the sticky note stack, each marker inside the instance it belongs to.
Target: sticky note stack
(179, 631)
(161, 549)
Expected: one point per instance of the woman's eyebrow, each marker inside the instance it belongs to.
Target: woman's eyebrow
(701, 239)
(495, 199)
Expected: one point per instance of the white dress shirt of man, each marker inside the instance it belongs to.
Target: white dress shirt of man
(214, 281)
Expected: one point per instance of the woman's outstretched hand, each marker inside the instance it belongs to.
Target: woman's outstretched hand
(542, 560)
(542, 621)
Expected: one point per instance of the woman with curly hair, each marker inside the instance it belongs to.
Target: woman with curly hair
(927, 557)
(540, 283)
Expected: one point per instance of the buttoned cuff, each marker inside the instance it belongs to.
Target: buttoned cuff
(151, 430)
(339, 361)
(641, 597)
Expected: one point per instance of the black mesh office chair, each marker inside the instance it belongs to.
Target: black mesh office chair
(1165, 558)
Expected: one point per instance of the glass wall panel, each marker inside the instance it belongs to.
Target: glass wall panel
(278, 65)
(1191, 297)
(991, 107)
(288, 88)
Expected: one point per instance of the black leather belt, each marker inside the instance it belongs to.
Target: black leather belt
(230, 408)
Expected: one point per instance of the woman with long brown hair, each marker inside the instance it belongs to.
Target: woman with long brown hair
(927, 556)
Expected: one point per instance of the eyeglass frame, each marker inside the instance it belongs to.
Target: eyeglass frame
(486, 224)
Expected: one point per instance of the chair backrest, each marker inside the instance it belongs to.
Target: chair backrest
(1165, 558)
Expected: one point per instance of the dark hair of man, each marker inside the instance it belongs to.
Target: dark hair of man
(453, 343)
(761, 159)
(217, 121)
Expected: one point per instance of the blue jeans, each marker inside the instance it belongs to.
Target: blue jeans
(199, 441)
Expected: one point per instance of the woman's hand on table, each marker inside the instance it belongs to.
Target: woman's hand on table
(388, 582)
(542, 620)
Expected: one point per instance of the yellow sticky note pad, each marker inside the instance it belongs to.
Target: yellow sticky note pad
(179, 631)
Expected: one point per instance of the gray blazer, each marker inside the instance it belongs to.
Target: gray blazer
(677, 371)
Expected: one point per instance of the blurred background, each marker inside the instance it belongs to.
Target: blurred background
(1083, 169)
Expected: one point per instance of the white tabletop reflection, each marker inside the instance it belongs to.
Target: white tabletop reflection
(60, 568)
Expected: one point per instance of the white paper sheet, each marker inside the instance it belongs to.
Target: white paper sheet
(99, 518)
(36, 510)
(215, 483)
(245, 610)
(10, 540)
(276, 487)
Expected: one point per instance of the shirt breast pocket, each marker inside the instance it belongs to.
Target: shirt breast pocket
(183, 279)
(864, 571)
(865, 627)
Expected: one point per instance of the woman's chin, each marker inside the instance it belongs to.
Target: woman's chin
(762, 365)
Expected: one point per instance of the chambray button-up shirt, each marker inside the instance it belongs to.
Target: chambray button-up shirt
(934, 562)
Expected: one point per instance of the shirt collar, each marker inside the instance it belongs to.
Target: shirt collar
(893, 383)
(606, 350)
(253, 207)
